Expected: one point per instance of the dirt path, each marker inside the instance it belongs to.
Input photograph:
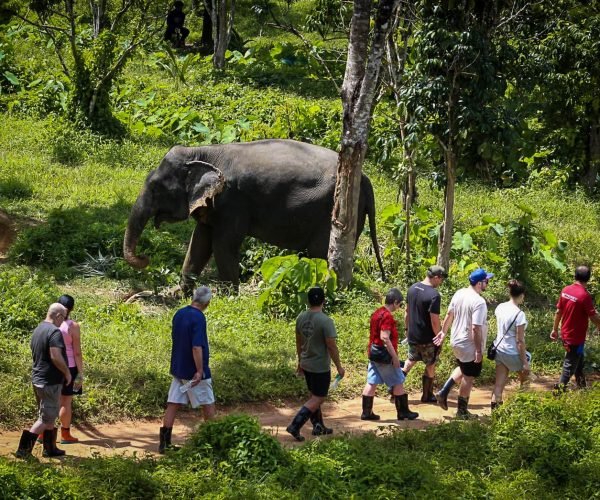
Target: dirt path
(142, 436)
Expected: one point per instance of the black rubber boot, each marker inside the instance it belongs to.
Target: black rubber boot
(494, 405)
(402, 409)
(442, 400)
(462, 413)
(165, 439)
(367, 409)
(50, 449)
(428, 396)
(319, 428)
(26, 444)
(299, 420)
(580, 381)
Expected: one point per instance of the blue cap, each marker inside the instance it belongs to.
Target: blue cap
(479, 275)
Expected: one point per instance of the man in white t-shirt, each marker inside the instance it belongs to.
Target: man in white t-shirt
(467, 313)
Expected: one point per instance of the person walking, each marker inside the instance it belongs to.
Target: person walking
(316, 348)
(384, 334)
(71, 334)
(573, 310)
(467, 314)
(423, 327)
(190, 354)
(511, 353)
(48, 374)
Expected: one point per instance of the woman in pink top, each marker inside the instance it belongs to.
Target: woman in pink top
(72, 337)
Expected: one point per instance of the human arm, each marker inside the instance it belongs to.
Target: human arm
(521, 348)
(387, 342)
(477, 332)
(557, 319)
(596, 320)
(197, 355)
(335, 355)
(75, 332)
(439, 338)
(299, 370)
(436, 324)
(58, 360)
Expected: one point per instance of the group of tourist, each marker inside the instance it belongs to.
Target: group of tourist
(57, 372)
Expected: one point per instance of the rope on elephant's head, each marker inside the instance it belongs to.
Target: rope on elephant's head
(192, 162)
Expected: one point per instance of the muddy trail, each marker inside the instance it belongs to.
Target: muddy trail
(141, 436)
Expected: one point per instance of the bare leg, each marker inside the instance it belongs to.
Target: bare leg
(408, 364)
(398, 390)
(170, 413)
(314, 403)
(66, 411)
(430, 371)
(466, 386)
(208, 412)
(501, 379)
(369, 390)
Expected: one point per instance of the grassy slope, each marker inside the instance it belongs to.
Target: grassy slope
(81, 187)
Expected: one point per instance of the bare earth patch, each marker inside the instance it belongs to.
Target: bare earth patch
(141, 436)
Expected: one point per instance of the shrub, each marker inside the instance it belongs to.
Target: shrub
(239, 441)
(24, 299)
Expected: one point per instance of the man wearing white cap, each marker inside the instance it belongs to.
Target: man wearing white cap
(467, 314)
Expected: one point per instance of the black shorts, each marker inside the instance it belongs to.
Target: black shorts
(470, 369)
(318, 383)
(67, 390)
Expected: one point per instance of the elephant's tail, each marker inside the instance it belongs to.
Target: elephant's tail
(370, 204)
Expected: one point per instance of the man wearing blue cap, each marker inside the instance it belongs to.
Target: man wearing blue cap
(467, 313)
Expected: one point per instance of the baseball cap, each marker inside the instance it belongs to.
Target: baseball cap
(437, 271)
(479, 275)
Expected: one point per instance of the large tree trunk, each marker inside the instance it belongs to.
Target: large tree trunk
(222, 15)
(445, 241)
(594, 155)
(358, 96)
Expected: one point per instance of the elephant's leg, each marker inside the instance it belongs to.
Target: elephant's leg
(226, 249)
(198, 254)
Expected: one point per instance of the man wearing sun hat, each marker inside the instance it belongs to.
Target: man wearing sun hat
(467, 313)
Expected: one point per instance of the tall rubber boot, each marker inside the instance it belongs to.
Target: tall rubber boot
(164, 439)
(26, 444)
(299, 420)
(65, 436)
(580, 381)
(402, 409)
(367, 409)
(319, 428)
(462, 413)
(428, 396)
(50, 449)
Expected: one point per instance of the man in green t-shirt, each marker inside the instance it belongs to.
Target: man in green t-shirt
(316, 348)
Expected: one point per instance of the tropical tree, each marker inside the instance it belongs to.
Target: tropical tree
(92, 53)
(363, 66)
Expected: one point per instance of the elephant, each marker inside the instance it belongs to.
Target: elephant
(279, 191)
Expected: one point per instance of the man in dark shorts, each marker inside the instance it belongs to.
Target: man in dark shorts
(423, 326)
(48, 374)
(573, 310)
(467, 313)
(316, 347)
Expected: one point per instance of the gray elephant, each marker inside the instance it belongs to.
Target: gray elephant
(279, 191)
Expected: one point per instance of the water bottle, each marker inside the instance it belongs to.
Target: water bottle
(336, 382)
(185, 387)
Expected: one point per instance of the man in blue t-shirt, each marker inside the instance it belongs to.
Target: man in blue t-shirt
(192, 381)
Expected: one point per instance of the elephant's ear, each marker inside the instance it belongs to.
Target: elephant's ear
(204, 182)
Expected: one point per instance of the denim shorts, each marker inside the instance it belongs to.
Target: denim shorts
(378, 373)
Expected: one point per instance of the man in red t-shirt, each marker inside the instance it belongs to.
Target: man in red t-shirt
(384, 333)
(573, 310)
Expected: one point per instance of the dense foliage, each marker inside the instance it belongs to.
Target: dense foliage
(535, 446)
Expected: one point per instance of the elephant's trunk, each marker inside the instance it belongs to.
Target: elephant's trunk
(139, 216)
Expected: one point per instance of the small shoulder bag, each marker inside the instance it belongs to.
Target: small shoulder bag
(493, 348)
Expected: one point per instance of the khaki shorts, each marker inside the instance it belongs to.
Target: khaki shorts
(428, 353)
(199, 395)
(48, 398)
